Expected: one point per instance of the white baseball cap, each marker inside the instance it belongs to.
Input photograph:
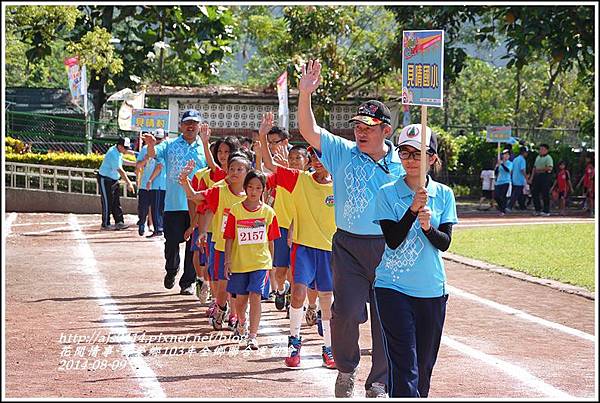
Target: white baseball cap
(411, 136)
(159, 133)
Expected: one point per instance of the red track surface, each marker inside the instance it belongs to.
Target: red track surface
(64, 277)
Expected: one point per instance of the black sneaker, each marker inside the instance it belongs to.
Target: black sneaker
(141, 229)
(279, 301)
(155, 234)
(169, 281)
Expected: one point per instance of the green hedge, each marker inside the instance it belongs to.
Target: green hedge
(17, 151)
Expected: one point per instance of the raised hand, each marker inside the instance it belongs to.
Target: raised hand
(205, 133)
(266, 124)
(149, 139)
(256, 147)
(311, 77)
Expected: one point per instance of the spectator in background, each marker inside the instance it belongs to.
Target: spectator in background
(541, 181)
(519, 179)
(157, 186)
(503, 175)
(246, 143)
(588, 184)
(487, 186)
(562, 186)
(108, 182)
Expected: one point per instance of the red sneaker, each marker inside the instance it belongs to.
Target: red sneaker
(294, 346)
(328, 360)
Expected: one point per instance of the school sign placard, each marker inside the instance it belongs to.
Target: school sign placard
(148, 120)
(498, 134)
(423, 68)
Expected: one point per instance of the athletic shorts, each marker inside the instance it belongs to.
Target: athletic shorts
(281, 257)
(216, 264)
(311, 265)
(203, 251)
(253, 281)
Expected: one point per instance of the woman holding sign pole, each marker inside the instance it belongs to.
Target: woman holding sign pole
(410, 281)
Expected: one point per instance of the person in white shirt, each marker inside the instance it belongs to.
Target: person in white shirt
(487, 185)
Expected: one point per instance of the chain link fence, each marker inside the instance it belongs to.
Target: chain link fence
(56, 133)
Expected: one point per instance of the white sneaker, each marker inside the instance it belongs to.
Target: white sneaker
(204, 292)
(545, 214)
(251, 343)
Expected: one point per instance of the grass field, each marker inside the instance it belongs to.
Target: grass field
(562, 252)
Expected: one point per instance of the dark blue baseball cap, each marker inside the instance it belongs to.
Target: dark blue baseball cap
(191, 114)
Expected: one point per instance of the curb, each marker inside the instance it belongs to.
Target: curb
(478, 264)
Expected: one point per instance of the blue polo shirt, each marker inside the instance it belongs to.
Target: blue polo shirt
(519, 164)
(175, 153)
(415, 267)
(159, 182)
(503, 177)
(113, 160)
(356, 181)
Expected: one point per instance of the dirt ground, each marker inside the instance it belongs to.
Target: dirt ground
(86, 315)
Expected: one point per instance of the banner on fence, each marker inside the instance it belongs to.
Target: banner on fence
(77, 77)
(148, 120)
(423, 68)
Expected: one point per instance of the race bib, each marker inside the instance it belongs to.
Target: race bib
(251, 231)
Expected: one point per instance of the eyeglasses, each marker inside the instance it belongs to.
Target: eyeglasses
(416, 155)
(275, 142)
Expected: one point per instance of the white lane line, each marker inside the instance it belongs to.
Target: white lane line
(520, 314)
(511, 370)
(8, 223)
(47, 231)
(43, 223)
(505, 224)
(144, 374)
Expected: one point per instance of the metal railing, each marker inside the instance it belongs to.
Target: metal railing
(55, 178)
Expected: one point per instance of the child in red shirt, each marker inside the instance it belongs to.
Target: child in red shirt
(562, 186)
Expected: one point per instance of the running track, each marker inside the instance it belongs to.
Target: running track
(503, 338)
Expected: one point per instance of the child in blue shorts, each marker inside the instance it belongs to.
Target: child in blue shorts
(249, 234)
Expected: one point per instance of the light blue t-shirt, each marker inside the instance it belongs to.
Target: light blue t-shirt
(356, 181)
(503, 177)
(175, 153)
(159, 182)
(113, 160)
(415, 267)
(519, 164)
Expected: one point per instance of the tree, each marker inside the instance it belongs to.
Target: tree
(353, 42)
(35, 46)
(190, 42)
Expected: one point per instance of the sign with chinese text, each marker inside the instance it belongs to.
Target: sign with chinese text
(423, 68)
(498, 134)
(148, 120)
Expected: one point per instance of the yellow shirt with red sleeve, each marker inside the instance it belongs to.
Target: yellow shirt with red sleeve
(206, 178)
(251, 232)
(282, 204)
(219, 200)
(314, 215)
